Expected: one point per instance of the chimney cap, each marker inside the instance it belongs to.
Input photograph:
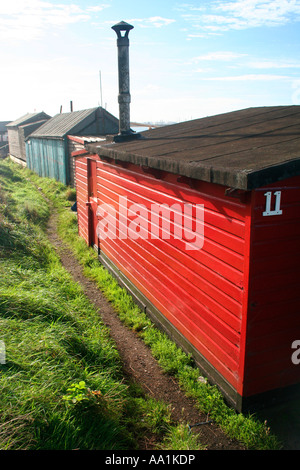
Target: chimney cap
(122, 26)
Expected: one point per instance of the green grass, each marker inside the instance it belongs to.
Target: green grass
(53, 337)
(62, 385)
(245, 428)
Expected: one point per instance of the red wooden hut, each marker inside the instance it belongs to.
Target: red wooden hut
(232, 301)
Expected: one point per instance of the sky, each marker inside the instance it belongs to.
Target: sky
(187, 60)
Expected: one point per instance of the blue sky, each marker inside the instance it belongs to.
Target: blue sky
(187, 60)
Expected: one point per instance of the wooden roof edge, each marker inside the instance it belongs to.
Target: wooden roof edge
(242, 179)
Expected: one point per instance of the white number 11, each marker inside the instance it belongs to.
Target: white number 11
(277, 210)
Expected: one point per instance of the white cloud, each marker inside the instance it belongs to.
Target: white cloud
(250, 77)
(252, 13)
(219, 55)
(98, 8)
(274, 64)
(220, 16)
(156, 21)
(30, 19)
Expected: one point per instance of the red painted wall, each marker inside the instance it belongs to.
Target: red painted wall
(237, 299)
(274, 293)
(201, 291)
(83, 191)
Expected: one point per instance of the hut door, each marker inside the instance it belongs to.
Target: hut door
(92, 202)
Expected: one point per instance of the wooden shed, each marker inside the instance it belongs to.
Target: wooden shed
(3, 132)
(47, 149)
(232, 300)
(4, 148)
(19, 130)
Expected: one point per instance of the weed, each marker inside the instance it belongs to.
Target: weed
(77, 392)
(180, 438)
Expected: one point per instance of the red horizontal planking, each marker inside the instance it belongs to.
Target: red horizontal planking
(215, 348)
(219, 251)
(212, 221)
(289, 213)
(81, 174)
(276, 230)
(261, 283)
(279, 314)
(220, 268)
(170, 185)
(201, 291)
(232, 225)
(229, 222)
(80, 163)
(83, 218)
(288, 245)
(274, 295)
(198, 274)
(271, 263)
(153, 185)
(81, 197)
(83, 233)
(284, 351)
(81, 190)
(275, 377)
(222, 305)
(283, 293)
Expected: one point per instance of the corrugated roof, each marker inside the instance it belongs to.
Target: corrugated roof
(27, 118)
(242, 149)
(63, 123)
(87, 139)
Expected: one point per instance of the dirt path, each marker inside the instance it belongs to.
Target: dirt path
(138, 361)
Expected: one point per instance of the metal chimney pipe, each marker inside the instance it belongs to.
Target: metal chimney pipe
(124, 97)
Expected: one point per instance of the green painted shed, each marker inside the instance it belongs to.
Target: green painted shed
(47, 150)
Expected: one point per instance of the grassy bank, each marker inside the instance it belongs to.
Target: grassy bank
(245, 428)
(61, 384)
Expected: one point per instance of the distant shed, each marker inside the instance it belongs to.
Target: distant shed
(234, 302)
(48, 148)
(19, 130)
(3, 132)
(4, 148)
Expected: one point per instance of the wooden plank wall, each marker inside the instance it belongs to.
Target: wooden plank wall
(74, 145)
(14, 142)
(47, 158)
(274, 293)
(201, 292)
(82, 197)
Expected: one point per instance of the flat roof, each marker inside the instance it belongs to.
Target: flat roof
(242, 149)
